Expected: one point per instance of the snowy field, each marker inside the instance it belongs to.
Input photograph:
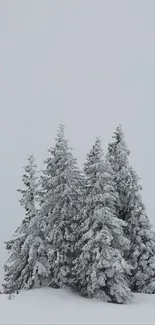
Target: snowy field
(49, 306)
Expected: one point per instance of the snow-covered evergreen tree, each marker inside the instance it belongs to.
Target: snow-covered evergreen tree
(118, 154)
(27, 265)
(142, 251)
(131, 209)
(100, 270)
(61, 199)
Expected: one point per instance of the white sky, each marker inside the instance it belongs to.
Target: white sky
(87, 63)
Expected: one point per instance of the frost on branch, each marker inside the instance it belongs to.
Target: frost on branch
(100, 270)
(27, 264)
(132, 210)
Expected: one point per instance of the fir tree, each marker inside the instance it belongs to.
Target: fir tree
(100, 270)
(27, 263)
(62, 181)
(141, 254)
(142, 251)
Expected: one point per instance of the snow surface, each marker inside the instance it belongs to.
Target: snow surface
(52, 306)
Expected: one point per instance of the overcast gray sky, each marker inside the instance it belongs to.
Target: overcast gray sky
(87, 63)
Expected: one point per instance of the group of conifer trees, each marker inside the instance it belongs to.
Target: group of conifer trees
(83, 230)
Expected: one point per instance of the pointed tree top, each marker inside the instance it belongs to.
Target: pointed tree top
(61, 141)
(61, 134)
(31, 159)
(97, 148)
(118, 134)
(95, 156)
(31, 165)
(98, 142)
(61, 130)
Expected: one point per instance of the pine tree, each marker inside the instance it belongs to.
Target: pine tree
(27, 264)
(100, 270)
(141, 254)
(118, 154)
(142, 250)
(62, 181)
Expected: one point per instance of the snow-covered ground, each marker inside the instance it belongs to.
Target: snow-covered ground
(49, 306)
